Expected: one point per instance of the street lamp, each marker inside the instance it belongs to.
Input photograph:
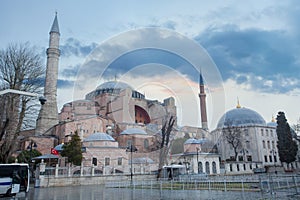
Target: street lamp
(31, 145)
(197, 148)
(131, 148)
(273, 152)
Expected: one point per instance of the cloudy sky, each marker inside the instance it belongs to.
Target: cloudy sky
(248, 50)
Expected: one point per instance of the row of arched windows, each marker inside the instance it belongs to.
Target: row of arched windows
(268, 144)
(207, 167)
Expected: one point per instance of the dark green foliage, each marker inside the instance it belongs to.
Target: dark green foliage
(72, 150)
(287, 147)
(26, 156)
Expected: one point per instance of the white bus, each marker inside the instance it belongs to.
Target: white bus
(14, 178)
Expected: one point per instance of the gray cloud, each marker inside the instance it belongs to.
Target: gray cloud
(74, 47)
(70, 71)
(64, 83)
(271, 55)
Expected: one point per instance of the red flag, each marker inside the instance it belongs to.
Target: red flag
(54, 151)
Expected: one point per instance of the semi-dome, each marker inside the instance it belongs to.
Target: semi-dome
(99, 137)
(241, 117)
(133, 131)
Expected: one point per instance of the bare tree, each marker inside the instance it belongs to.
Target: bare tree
(20, 69)
(232, 135)
(164, 143)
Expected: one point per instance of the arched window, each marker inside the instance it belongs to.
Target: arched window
(94, 161)
(129, 143)
(107, 161)
(214, 167)
(200, 167)
(207, 167)
(264, 144)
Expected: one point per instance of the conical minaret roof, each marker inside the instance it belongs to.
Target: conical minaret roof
(55, 27)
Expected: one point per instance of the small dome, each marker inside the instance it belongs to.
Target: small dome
(113, 85)
(241, 117)
(192, 141)
(99, 137)
(59, 147)
(133, 131)
(141, 161)
(272, 124)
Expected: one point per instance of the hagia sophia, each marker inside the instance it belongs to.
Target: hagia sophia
(114, 116)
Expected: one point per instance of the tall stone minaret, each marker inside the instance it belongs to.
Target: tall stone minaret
(202, 97)
(48, 116)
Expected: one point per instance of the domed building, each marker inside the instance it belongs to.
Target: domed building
(112, 107)
(199, 156)
(123, 104)
(245, 141)
(103, 152)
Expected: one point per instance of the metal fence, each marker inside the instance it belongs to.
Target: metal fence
(268, 186)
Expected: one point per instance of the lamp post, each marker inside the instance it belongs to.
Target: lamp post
(131, 148)
(197, 148)
(31, 145)
(273, 152)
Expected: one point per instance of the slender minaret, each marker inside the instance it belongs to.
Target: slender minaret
(202, 97)
(48, 116)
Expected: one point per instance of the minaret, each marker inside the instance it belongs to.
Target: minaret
(238, 103)
(48, 116)
(202, 97)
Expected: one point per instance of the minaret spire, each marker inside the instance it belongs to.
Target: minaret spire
(48, 116)
(55, 27)
(238, 103)
(202, 97)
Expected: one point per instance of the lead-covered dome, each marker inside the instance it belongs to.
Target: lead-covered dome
(133, 131)
(241, 117)
(99, 137)
(110, 87)
(113, 85)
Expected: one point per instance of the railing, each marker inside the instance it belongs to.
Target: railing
(84, 171)
(269, 186)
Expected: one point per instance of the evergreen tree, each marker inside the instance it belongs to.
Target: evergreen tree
(72, 150)
(26, 156)
(287, 147)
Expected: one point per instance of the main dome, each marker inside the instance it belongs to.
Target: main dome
(110, 87)
(113, 85)
(241, 117)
